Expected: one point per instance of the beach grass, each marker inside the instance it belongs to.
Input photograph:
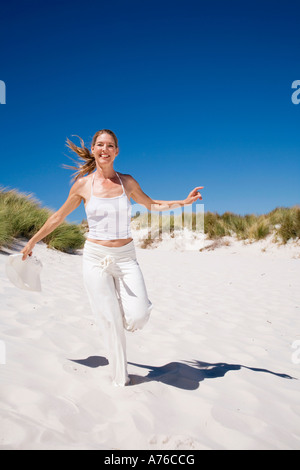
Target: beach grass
(283, 222)
(21, 216)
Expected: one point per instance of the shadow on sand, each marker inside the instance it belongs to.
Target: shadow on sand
(185, 375)
(188, 375)
(92, 361)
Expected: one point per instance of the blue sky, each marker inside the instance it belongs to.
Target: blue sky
(198, 93)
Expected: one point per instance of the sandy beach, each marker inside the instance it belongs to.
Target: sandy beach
(213, 369)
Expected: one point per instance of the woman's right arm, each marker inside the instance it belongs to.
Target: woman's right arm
(73, 201)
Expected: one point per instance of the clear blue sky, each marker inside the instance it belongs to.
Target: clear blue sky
(198, 93)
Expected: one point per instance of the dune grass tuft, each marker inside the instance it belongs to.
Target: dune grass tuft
(21, 216)
(282, 222)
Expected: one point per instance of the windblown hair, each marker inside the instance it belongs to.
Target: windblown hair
(85, 155)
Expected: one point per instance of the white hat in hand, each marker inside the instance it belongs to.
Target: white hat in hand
(24, 274)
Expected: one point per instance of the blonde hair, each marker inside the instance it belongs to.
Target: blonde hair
(85, 155)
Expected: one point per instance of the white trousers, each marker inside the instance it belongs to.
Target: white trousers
(118, 298)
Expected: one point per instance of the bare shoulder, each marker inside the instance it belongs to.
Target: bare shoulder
(81, 187)
(129, 182)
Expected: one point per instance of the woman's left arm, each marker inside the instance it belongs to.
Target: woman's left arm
(138, 195)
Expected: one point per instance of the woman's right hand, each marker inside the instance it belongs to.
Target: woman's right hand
(27, 250)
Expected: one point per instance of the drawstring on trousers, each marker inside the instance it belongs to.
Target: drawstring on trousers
(106, 262)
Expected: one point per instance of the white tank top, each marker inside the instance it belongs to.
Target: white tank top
(108, 217)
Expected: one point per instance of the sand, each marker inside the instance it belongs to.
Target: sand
(214, 368)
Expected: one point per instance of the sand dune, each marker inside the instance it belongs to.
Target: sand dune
(213, 369)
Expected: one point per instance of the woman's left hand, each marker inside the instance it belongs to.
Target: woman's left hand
(194, 195)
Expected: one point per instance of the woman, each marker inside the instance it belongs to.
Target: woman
(111, 273)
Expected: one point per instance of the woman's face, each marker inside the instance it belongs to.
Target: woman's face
(104, 149)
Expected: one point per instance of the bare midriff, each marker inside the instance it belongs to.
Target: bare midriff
(111, 243)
